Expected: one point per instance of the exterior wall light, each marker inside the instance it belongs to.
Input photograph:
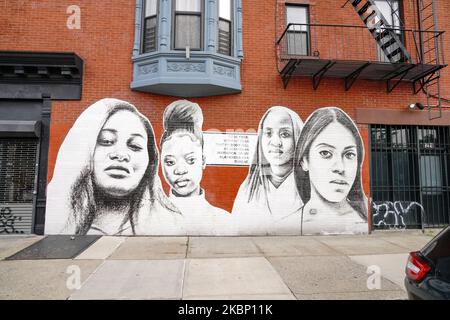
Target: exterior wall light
(416, 105)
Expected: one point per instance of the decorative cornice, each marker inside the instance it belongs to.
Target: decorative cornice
(40, 67)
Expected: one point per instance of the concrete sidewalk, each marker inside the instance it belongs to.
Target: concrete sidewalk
(247, 268)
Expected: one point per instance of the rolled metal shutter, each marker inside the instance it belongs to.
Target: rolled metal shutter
(17, 184)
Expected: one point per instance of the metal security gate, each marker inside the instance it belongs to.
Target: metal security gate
(409, 174)
(17, 184)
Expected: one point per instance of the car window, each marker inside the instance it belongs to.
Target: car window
(443, 268)
(439, 246)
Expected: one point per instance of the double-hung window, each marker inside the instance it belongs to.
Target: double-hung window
(298, 32)
(225, 28)
(188, 24)
(390, 9)
(150, 34)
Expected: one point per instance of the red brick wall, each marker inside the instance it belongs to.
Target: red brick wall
(105, 43)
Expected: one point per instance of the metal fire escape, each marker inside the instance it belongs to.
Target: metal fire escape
(384, 34)
(429, 49)
(391, 44)
(389, 52)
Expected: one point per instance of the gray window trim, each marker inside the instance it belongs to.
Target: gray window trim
(308, 19)
(232, 27)
(202, 25)
(143, 18)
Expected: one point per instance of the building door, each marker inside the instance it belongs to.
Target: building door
(410, 173)
(17, 184)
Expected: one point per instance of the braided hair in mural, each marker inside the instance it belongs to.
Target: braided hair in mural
(183, 163)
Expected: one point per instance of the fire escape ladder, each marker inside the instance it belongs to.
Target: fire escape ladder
(384, 34)
(429, 54)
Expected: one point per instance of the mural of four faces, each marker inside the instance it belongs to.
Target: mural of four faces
(304, 178)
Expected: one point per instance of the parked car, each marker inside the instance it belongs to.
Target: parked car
(428, 270)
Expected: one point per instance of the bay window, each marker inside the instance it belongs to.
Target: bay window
(187, 48)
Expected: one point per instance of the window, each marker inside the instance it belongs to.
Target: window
(149, 42)
(224, 29)
(298, 33)
(188, 24)
(390, 9)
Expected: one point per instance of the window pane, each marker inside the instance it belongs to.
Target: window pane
(379, 136)
(402, 174)
(399, 137)
(297, 43)
(224, 37)
(388, 10)
(395, 7)
(225, 9)
(380, 172)
(428, 138)
(188, 31)
(297, 14)
(150, 8)
(431, 174)
(189, 5)
(150, 35)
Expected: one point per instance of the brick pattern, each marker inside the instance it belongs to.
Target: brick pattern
(105, 43)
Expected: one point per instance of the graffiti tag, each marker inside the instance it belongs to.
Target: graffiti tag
(392, 214)
(7, 221)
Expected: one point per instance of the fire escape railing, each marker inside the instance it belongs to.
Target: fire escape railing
(339, 43)
(346, 42)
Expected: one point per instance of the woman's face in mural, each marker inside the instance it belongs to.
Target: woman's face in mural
(332, 163)
(278, 138)
(121, 155)
(182, 160)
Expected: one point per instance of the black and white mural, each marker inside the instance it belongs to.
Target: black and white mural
(328, 164)
(268, 201)
(304, 178)
(105, 178)
(183, 161)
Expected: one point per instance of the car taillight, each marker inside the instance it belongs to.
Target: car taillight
(416, 268)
